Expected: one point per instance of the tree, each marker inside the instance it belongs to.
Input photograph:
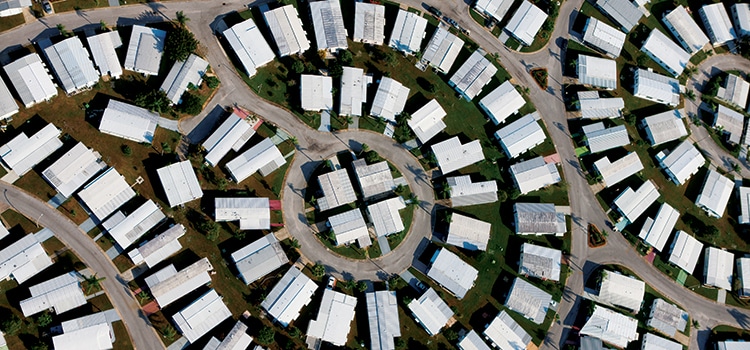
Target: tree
(181, 18)
(335, 70)
(390, 59)
(143, 295)
(641, 60)
(61, 28)
(103, 26)
(266, 336)
(346, 57)
(190, 104)
(44, 320)
(210, 228)
(294, 243)
(364, 149)
(166, 148)
(402, 120)
(180, 44)
(298, 67)
(40, 345)
(413, 199)
(450, 334)
(318, 271)
(348, 284)
(294, 332)
(11, 325)
(93, 283)
(168, 332)
(361, 286)
(155, 101)
(126, 150)
(212, 82)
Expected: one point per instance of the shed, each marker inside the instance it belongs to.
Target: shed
(180, 183)
(665, 52)
(540, 262)
(664, 127)
(374, 180)
(682, 162)
(684, 28)
(521, 135)
(128, 230)
(603, 37)
(597, 72)
(594, 107)
(534, 174)
(232, 134)
(468, 233)
(656, 87)
(264, 158)
(538, 219)
(71, 63)
(431, 312)
(685, 251)
(473, 75)
(30, 79)
(73, 169)
(201, 316)
(427, 121)
(382, 314)
(292, 292)
(528, 300)
(22, 152)
(184, 74)
(349, 227)
(385, 216)
(249, 46)
(613, 173)
(655, 232)
(337, 190)
(442, 50)
(526, 22)
(455, 275)
(502, 102)
(128, 122)
(464, 192)
(611, 327)
(389, 100)
(716, 21)
(334, 318)
(159, 248)
(408, 32)
(107, 192)
(145, 50)
(600, 139)
(286, 29)
(330, 32)
(631, 204)
(353, 90)
(451, 155)
(316, 92)
(717, 268)
(259, 258)
(369, 23)
(61, 294)
(102, 48)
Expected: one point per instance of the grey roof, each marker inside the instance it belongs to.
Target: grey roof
(603, 37)
(472, 341)
(24, 152)
(684, 28)
(594, 107)
(385, 216)
(374, 179)
(182, 74)
(464, 192)
(715, 194)
(408, 32)
(534, 174)
(682, 162)
(528, 300)
(13, 6)
(685, 251)
(330, 32)
(129, 122)
(334, 318)
(160, 247)
(597, 72)
(666, 53)
(502, 102)
(390, 99)
(264, 158)
(655, 342)
(252, 213)
(337, 189)
(735, 90)
(382, 313)
(285, 300)
(62, 293)
(350, 226)
(716, 21)
(743, 276)
(732, 122)
(540, 262)
(601, 139)
(468, 233)
(451, 155)
(431, 312)
(611, 327)
(717, 268)
(107, 192)
(442, 49)
(171, 285)
(632, 204)
(741, 18)
(369, 23)
(620, 290)
(473, 75)
(656, 87)
(232, 134)
(30, 78)
(521, 135)
(259, 258)
(103, 51)
(286, 28)
(180, 183)
(538, 218)
(526, 22)
(236, 339)
(145, 50)
(623, 12)
(667, 318)
(505, 333)
(72, 65)
(73, 169)
(614, 172)
(8, 105)
(249, 45)
(452, 273)
(23, 259)
(497, 9)
(664, 127)
(128, 230)
(201, 316)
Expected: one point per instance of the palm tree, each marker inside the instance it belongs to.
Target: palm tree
(413, 199)
(93, 283)
(103, 26)
(61, 28)
(365, 148)
(294, 243)
(181, 18)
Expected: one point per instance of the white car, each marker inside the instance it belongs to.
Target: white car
(331, 282)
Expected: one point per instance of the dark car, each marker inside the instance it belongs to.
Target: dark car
(47, 7)
(434, 10)
(450, 21)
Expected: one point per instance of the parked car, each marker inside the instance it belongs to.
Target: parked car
(434, 10)
(331, 282)
(450, 21)
(47, 7)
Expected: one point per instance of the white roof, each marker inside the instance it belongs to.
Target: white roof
(145, 49)
(743, 275)
(473, 75)
(464, 192)
(259, 258)
(249, 45)
(23, 152)
(170, 287)
(685, 251)
(29, 77)
(732, 122)
(286, 28)
(611, 327)
(715, 194)
(160, 247)
(264, 158)
(741, 18)
(106, 193)
(252, 213)
(665, 52)
(23, 259)
(451, 155)
(317, 92)
(623, 12)
(735, 90)
(614, 172)
(744, 194)
(129, 122)
(538, 218)
(716, 21)
(431, 312)
(408, 32)
(521, 135)
(95, 337)
(528, 300)
(452, 273)
(330, 33)
(61, 293)
(72, 65)
(353, 90)
(621, 290)
(667, 318)
(505, 333)
(534, 174)
(334, 318)
(442, 50)
(495, 8)
(201, 316)
(385, 216)
(390, 99)
(540, 262)
(349, 226)
(293, 291)
(468, 233)
(656, 231)
(8, 105)
(683, 27)
(656, 87)
(655, 342)
(603, 37)
(9, 8)
(526, 22)
(594, 107)
(664, 127)
(103, 51)
(732, 345)
(502, 102)
(236, 339)
(597, 72)
(472, 341)
(180, 183)
(633, 203)
(374, 179)
(182, 74)
(73, 169)
(128, 230)
(382, 313)
(601, 139)
(718, 267)
(682, 162)
(369, 23)
(232, 134)
(428, 121)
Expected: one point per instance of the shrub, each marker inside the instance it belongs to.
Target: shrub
(190, 104)
(126, 150)
(266, 336)
(212, 82)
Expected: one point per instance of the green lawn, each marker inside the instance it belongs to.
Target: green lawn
(11, 22)
(75, 5)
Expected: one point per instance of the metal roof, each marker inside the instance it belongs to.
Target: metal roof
(96, 337)
(468, 233)
(473, 75)
(128, 230)
(316, 92)
(732, 345)
(182, 74)
(505, 333)
(472, 341)
(172, 287)
(601, 139)
(540, 262)
(72, 65)
(623, 12)
(160, 247)
(685, 251)
(734, 91)
(451, 155)
(528, 300)
(129, 122)
(664, 127)
(61, 293)
(534, 174)
(8, 105)
(232, 134)
(603, 37)
(521, 135)
(264, 158)
(452, 273)
(442, 50)
(252, 213)
(349, 226)
(428, 121)
(731, 121)
(716, 21)
(145, 50)
(382, 314)
(201, 316)
(431, 312)
(502, 102)
(526, 22)
(23, 152)
(497, 9)
(656, 87)
(682, 162)
(464, 192)
(334, 318)
(665, 52)
(389, 100)
(743, 275)
(715, 194)
(249, 45)
(632, 204)
(683, 27)
(353, 90)
(30, 78)
(369, 23)
(374, 179)
(741, 18)
(23, 259)
(667, 318)
(103, 51)
(655, 342)
(597, 72)
(655, 232)
(180, 183)
(12, 7)
(385, 216)
(611, 327)
(73, 169)
(538, 218)
(286, 28)
(408, 32)
(614, 172)
(293, 291)
(621, 290)
(107, 192)
(718, 267)
(236, 339)
(330, 32)
(594, 107)
(259, 258)
(744, 194)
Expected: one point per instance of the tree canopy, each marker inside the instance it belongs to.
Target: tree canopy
(180, 44)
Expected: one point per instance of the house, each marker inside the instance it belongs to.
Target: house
(23, 259)
(716, 21)
(73, 169)
(613, 173)
(464, 192)
(102, 48)
(316, 93)
(655, 232)
(442, 50)
(731, 123)
(22, 152)
(264, 158)
(685, 251)
(431, 312)
(382, 314)
(369, 23)
(743, 276)
(375, 180)
(521, 135)
(473, 75)
(334, 319)
(664, 127)
(502, 102)
(744, 194)
(472, 341)
(202, 315)
(665, 52)
(292, 292)
(107, 192)
(452, 273)
(232, 134)
(427, 121)
(684, 28)
(504, 332)
(682, 162)
(540, 262)
(655, 342)
(623, 12)
(734, 91)
(92, 332)
(385, 216)
(145, 50)
(496, 9)
(8, 105)
(127, 230)
(249, 46)
(667, 318)
(13, 7)
(603, 37)
(30, 79)
(600, 139)
(168, 285)
(468, 233)
(180, 183)
(534, 174)
(717, 268)
(337, 190)
(715, 194)
(353, 90)
(594, 107)
(611, 327)
(620, 290)
(236, 339)
(159, 248)
(451, 155)
(741, 19)
(526, 22)
(731, 345)
(390, 99)
(408, 32)
(286, 29)
(597, 72)
(330, 32)
(71, 63)
(252, 213)
(656, 87)
(62, 293)
(129, 122)
(257, 259)
(631, 204)
(350, 226)
(528, 300)
(183, 75)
